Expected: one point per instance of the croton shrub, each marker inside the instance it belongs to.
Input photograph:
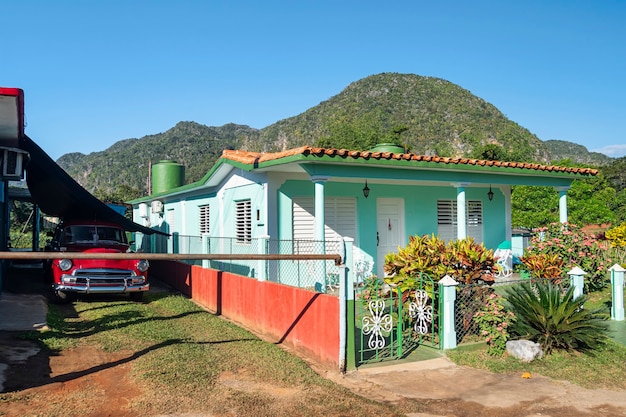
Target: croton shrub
(465, 260)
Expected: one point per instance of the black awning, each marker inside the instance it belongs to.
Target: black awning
(57, 194)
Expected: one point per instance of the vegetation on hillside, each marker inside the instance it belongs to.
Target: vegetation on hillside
(427, 115)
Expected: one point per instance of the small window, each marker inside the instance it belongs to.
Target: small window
(243, 216)
(205, 212)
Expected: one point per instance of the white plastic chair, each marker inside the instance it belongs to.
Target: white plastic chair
(504, 263)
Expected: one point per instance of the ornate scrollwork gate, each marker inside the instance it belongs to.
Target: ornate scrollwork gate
(392, 322)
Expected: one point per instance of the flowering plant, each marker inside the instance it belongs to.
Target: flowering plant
(575, 248)
(493, 321)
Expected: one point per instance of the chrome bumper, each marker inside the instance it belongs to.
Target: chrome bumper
(85, 284)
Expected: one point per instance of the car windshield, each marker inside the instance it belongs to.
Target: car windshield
(93, 234)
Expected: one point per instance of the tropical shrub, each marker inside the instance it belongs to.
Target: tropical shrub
(464, 259)
(576, 248)
(493, 322)
(555, 320)
(617, 236)
(543, 265)
(470, 261)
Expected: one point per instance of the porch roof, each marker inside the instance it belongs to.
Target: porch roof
(306, 153)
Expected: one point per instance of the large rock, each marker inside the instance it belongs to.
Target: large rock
(524, 350)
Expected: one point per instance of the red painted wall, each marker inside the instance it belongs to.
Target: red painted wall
(304, 320)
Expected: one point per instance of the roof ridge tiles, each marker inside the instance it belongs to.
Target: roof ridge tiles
(250, 157)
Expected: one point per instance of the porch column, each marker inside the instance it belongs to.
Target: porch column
(506, 191)
(319, 207)
(461, 224)
(320, 284)
(562, 203)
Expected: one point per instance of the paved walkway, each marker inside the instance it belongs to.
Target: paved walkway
(22, 305)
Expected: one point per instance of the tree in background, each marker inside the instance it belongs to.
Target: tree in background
(534, 206)
(591, 201)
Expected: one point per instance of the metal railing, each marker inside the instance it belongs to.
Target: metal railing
(300, 263)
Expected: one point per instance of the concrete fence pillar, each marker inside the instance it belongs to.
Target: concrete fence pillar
(206, 249)
(447, 296)
(576, 280)
(347, 345)
(617, 290)
(262, 263)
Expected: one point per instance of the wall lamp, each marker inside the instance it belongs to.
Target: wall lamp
(366, 190)
(490, 193)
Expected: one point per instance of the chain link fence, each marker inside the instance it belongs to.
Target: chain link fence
(471, 298)
(317, 275)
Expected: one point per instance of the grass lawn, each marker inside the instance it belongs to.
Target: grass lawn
(603, 368)
(182, 352)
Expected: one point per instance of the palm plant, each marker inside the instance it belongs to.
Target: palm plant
(555, 320)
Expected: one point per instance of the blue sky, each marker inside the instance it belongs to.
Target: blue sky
(95, 72)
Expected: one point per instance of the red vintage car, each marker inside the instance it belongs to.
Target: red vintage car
(94, 276)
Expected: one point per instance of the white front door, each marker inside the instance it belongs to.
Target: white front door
(389, 229)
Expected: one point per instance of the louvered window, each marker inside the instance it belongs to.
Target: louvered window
(339, 219)
(446, 219)
(243, 218)
(205, 217)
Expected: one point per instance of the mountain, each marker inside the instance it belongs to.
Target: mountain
(427, 115)
(126, 162)
(576, 153)
(432, 116)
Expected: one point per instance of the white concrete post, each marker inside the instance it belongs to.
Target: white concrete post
(346, 296)
(205, 249)
(262, 263)
(617, 289)
(576, 280)
(447, 293)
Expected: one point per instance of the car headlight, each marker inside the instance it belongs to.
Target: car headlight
(143, 265)
(65, 264)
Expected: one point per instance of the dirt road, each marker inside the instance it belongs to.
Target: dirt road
(89, 382)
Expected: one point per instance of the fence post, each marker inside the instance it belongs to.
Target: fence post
(447, 295)
(205, 249)
(576, 280)
(262, 263)
(617, 289)
(347, 347)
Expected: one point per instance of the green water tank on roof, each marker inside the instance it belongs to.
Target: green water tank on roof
(167, 175)
(388, 147)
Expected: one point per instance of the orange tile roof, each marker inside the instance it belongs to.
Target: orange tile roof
(246, 157)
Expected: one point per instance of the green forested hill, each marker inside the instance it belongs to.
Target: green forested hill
(126, 162)
(576, 153)
(428, 115)
(434, 116)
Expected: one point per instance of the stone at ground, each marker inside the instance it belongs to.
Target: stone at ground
(524, 350)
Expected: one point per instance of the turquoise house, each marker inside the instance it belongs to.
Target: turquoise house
(377, 197)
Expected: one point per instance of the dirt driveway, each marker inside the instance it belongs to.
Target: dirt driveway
(89, 382)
